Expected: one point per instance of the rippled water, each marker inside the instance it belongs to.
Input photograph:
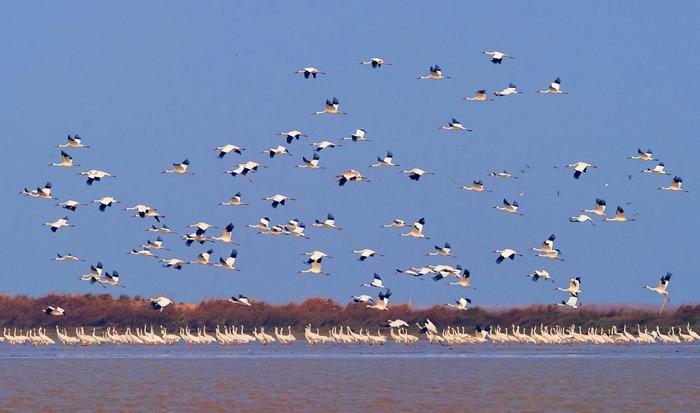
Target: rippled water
(388, 378)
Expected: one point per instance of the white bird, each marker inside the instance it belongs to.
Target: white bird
(73, 142)
(366, 253)
(376, 62)
(315, 256)
(510, 90)
(331, 108)
(675, 185)
(106, 201)
(415, 272)
(324, 145)
(263, 224)
(235, 200)
(647, 155)
(70, 205)
(599, 208)
(463, 280)
(376, 282)
(54, 311)
(396, 223)
(203, 258)
(382, 301)
(95, 275)
(619, 216)
(574, 286)
(173, 263)
(292, 134)
(460, 303)
(659, 169)
(113, 279)
(310, 71)
(310, 163)
(226, 149)
(279, 150)
(582, 218)
(161, 230)
(244, 168)
(159, 303)
(226, 234)
(661, 286)
(180, 168)
(228, 263)
(145, 252)
(547, 245)
(66, 161)
(66, 257)
(329, 222)
(572, 302)
(352, 175)
(416, 230)
(496, 56)
(58, 224)
(554, 88)
(506, 254)
(397, 323)
(479, 96)
(241, 299)
(197, 236)
(278, 199)
(579, 168)
(364, 298)
(435, 74)
(143, 211)
(43, 193)
(96, 175)
(510, 207)
(503, 174)
(428, 326)
(477, 186)
(416, 173)
(444, 251)
(388, 160)
(314, 268)
(358, 136)
(540, 274)
(455, 125)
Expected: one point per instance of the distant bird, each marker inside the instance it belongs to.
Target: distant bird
(263, 224)
(329, 222)
(159, 303)
(203, 258)
(675, 185)
(145, 252)
(310, 163)
(235, 200)
(173, 263)
(310, 71)
(376, 282)
(503, 174)
(96, 175)
(477, 186)
(599, 208)
(510, 207)
(161, 230)
(463, 280)
(366, 253)
(659, 169)
(180, 168)
(376, 62)
(382, 301)
(43, 193)
(113, 279)
(298, 231)
(58, 224)
(444, 251)
(554, 88)
(54, 311)
(358, 136)
(396, 223)
(244, 168)
(331, 108)
(506, 254)
(197, 236)
(292, 134)
(619, 216)
(66, 257)
(66, 161)
(479, 96)
(574, 286)
(434, 74)
(324, 145)
(155, 245)
(540, 275)
(416, 173)
(105, 202)
(496, 56)
(582, 218)
(70, 205)
(388, 160)
(226, 234)
(579, 168)
(351, 175)
(315, 268)
(416, 230)
(279, 150)
(364, 298)
(460, 303)
(204, 226)
(278, 199)
(647, 155)
(510, 90)
(315, 256)
(241, 299)
(143, 211)
(229, 262)
(73, 142)
(226, 149)
(572, 302)
(455, 125)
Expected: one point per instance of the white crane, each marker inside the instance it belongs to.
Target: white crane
(66, 161)
(506, 254)
(503, 174)
(366, 253)
(388, 160)
(324, 145)
(479, 96)
(428, 326)
(43, 193)
(360, 135)
(241, 299)
(144, 252)
(54, 311)
(510, 207)
(364, 298)
(228, 148)
(279, 150)
(375, 62)
(244, 168)
(228, 263)
(70, 205)
(416, 173)
(226, 234)
(460, 303)
(382, 301)
(329, 222)
(180, 168)
(599, 208)
(332, 107)
(647, 155)
(416, 230)
(554, 88)
(159, 303)
(395, 223)
(66, 257)
(113, 279)
(376, 282)
(579, 168)
(582, 218)
(58, 224)
(95, 275)
(310, 71)
(435, 73)
(278, 199)
(96, 175)
(659, 169)
(263, 224)
(540, 275)
(574, 286)
(496, 56)
(619, 216)
(315, 255)
(292, 134)
(310, 163)
(572, 302)
(661, 288)
(175, 263)
(444, 251)
(351, 175)
(463, 280)
(512, 89)
(314, 268)
(105, 202)
(197, 236)
(73, 142)
(203, 258)
(455, 125)
(397, 323)
(235, 200)
(476, 186)
(675, 185)
(164, 229)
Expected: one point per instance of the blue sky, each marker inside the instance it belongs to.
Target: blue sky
(154, 83)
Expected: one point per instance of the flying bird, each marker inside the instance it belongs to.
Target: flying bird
(506, 254)
(455, 125)
(331, 108)
(376, 282)
(329, 222)
(310, 71)
(73, 142)
(180, 168)
(159, 303)
(241, 299)
(479, 96)
(442, 251)
(388, 160)
(358, 136)
(619, 216)
(647, 155)
(496, 56)
(579, 168)
(510, 207)
(510, 90)
(235, 200)
(540, 275)
(366, 253)
(66, 161)
(416, 173)
(460, 303)
(58, 224)
(226, 149)
(434, 74)
(554, 88)
(375, 62)
(278, 199)
(675, 185)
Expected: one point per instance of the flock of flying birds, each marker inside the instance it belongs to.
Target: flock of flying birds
(200, 234)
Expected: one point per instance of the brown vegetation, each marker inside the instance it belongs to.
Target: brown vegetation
(105, 310)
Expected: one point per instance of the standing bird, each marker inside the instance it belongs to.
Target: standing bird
(292, 134)
(73, 142)
(599, 208)
(228, 263)
(510, 207)
(234, 201)
(416, 173)
(479, 96)
(278, 199)
(661, 288)
(105, 201)
(460, 303)
(388, 160)
(510, 90)
(619, 216)
(455, 125)
(66, 161)
(180, 168)
(226, 149)
(444, 251)
(647, 155)
(241, 299)
(159, 303)
(43, 193)
(496, 56)
(310, 163)
(331, 108)
(574, 286)
(279, 150)
(376, 62)
(358, 136)
(366, 253)
(54, 311)
(506, 253)
(675, 185)
(382, 301)
(329, 222)
(540, 275)
(416, 230)
(579, 168)
(376, 282)
(659, 169)
(554, 88)
(58, 224)
(310, 71)
(434, 74)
